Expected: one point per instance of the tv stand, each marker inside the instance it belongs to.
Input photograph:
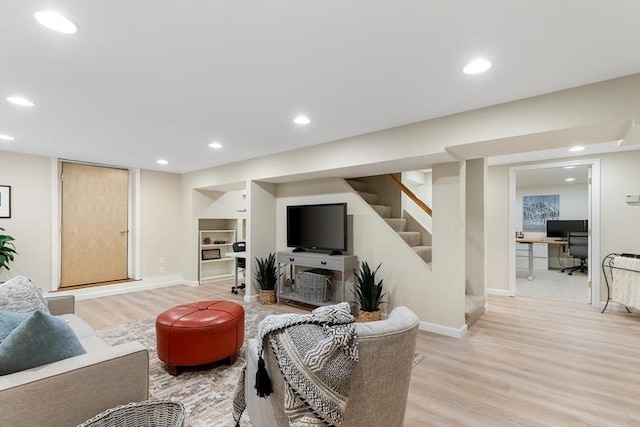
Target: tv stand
(343, 266)
(299, 250)
(335, 253)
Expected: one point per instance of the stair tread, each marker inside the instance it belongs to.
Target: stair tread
(397, 224)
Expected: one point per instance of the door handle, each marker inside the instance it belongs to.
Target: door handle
(123, 231)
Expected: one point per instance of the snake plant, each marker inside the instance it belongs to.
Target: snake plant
(266, 274)
(368, 293)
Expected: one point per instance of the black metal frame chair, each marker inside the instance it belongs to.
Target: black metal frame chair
(240, 264)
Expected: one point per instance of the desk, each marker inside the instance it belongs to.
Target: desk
(539, 240)
(236, 255)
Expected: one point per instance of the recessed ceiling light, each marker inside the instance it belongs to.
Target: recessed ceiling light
(5, 137)
(215, 145)
(302, 120)
(56, 22)
(476, 67)
(18, 100)
(162, 162)
(570, 179)
(576, 148)
(569, 167)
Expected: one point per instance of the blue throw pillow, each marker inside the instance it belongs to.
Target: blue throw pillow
(37, 341)
(9, 321)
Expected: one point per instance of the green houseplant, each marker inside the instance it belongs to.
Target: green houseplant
(7, 250)
(267, 276)
(368, 293)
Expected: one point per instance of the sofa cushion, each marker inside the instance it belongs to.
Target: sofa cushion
(9, 321)
(20, 295)
(39, 340)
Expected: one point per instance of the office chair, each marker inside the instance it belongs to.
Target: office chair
(578, 247)
(240, 264)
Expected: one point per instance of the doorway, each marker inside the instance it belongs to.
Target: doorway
(579, 201)
(94, 224)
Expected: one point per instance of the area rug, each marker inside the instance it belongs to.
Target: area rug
(205, 391)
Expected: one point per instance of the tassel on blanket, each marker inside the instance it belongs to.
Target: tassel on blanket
(263, 382)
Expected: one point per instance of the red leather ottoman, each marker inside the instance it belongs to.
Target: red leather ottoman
(199, 333)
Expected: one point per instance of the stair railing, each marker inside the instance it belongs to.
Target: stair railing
(410, 194)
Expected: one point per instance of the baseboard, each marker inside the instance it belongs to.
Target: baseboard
(616, 306)
(500, 292)
(124, 288)
(251, 298)
(444, 330)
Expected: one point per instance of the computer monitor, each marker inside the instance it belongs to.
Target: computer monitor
(561, 227)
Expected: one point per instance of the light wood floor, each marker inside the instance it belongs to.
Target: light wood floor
(526, 362)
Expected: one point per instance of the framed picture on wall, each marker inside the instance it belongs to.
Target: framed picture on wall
(5, 201)
(537, 209)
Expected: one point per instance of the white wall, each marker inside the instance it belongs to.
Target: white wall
(32, 179)
(262, 229)
(619, 221)
(421, 187)
(30, 223)
(160, 224)
(406, 283)
(574, 202)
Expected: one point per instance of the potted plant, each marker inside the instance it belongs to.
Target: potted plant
(7, 250)
(267, 276)
(368, 293)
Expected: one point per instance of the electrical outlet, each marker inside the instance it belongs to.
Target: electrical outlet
(162, 269)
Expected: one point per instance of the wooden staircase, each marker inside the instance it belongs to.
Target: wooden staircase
(399, 225)
(474, 304)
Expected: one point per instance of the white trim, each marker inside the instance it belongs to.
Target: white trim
(444, 330)
(123, 288)
(135, 246)
(594, 224)
(500, 292)
(616, 306)
(251, 298)
(55, 224)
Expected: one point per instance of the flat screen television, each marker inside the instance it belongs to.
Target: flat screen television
(562, 227)
(317, 227)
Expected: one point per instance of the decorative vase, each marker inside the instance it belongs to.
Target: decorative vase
(369, 316)
(268, 297)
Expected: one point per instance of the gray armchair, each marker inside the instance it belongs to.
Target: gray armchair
(386, 352)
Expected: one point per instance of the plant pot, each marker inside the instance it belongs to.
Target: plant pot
(268, 297)
(369, 316)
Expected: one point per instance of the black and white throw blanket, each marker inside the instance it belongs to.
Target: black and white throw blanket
(316, 354)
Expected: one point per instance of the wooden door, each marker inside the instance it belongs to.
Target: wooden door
(94, 224)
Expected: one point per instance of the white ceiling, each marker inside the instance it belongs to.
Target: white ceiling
(144, 80)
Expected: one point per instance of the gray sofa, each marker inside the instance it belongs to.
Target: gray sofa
(68, 392)
(380, 382)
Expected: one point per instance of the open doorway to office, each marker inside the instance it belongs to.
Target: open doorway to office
(539, 193)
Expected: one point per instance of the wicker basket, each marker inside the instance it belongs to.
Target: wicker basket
(369, 316)
(268, 297)
(314, 285)
(156, 413)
